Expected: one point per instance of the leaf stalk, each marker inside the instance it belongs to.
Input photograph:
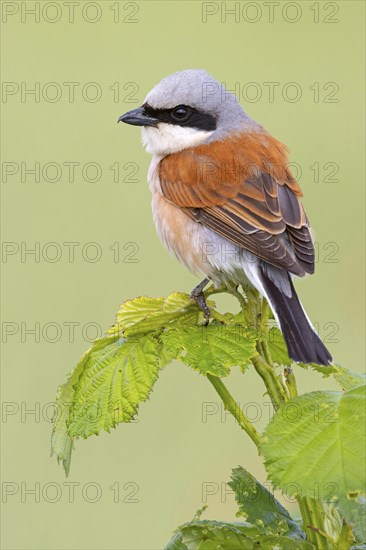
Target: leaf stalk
(233, 407)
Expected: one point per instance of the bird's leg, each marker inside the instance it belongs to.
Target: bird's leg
(198, 296)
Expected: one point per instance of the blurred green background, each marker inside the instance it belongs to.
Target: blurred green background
(167, 461)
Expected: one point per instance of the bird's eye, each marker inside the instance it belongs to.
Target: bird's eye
(181, 113)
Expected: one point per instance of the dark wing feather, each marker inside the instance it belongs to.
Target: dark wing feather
(269, 247)
(303, 246)
(260, 212)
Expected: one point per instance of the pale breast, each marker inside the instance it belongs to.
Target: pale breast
(182, 236)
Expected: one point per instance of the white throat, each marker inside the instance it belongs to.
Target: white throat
(170, 138)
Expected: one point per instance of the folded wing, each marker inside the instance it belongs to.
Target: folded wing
(242, 189)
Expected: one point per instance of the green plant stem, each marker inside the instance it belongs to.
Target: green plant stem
(238, 295)
(291, 382)
(280, 391)
(231, 290)
(313, 513)
(273, 385)
(265, 331)
(256, 314)
(233, 407)
(214, 290)
(266, 352)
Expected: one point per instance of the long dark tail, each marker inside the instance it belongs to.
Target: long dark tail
(303, 344)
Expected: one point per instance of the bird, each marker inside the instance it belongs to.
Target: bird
(224, 200)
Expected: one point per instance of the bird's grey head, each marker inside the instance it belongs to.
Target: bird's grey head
(187, 108)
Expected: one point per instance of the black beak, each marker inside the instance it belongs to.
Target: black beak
(138, 117)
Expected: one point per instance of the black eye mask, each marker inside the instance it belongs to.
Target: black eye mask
(183, 115)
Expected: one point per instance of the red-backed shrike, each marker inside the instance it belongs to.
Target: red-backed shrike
(224, 201)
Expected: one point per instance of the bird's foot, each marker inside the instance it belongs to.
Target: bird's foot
(198, 296)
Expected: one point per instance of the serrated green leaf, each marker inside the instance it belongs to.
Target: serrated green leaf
(268, 542)
(259, 507)
(315, 442)
(117, 376)
(144, 314)
(172, 341)
(198, 514)
(113, 377)
(61, 442)
(348, 379)
(118, 372)
(212, 535)
(278, 348)
(212, 349)
(325, 371)
(209, 535)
